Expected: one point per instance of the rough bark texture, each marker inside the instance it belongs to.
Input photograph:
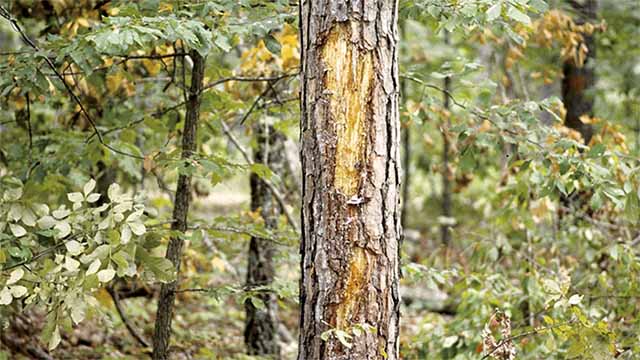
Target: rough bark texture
(167, 297)
(350, 160)
(261, 324)
(579, 79)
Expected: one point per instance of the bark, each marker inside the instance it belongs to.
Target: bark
(350, 135)
(447, 176)
(261, 323)
(166, 300)
(406, 152)
(579, 79)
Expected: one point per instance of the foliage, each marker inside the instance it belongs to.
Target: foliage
(543, 261)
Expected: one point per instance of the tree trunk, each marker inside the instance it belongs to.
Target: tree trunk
(180, 211)
(261, 323)
(350, 135)
(579, 79)
(447, 175)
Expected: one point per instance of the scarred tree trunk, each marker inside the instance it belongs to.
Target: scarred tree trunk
(579, 79)
(167, 297)
(261, 323)
(350, 161)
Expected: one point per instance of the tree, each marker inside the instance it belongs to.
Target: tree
(350, 160)
(579, 77)
(180, 210)
(261, 323)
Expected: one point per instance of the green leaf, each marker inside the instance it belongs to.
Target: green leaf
(74, 247)
(518, 15)
(272, 44)
(494, 11)
(162, 269)
(344, 338)
(106, 275)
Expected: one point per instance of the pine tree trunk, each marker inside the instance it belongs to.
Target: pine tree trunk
(579, 79)
(167, 297)
(261, 323)
(351, 166)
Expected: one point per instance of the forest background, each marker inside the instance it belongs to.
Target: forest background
(520, 136)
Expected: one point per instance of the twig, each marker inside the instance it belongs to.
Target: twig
(29, 123)
(535, 331)
(39, 255)
(272, 188)
(132, 330)
(247, 79)
(5, 14)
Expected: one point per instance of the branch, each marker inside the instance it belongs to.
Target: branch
(274, 191)
(247, 79)
(5, 14)
(535, 331)
(132, 330)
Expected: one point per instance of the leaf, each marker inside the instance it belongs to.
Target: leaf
(94, 266)
(222, 42)
(17, 230)
(162, 269)
(70, 263)
(125, 234)
(494, 11)
(89, 186)
(55, 338)
(75, 197)
(13, 194)
(344, 337)
(539, 5)
(28, 217)
(15, 276)
(60, 213)
(93, 198)
(106, 275)
(575, 299)
(449, 341)
(5, 296)
(74, 247)
(137, 228)
(63, 228)
(518, 15)
(272, 44)
(551, 286)
(18, 291)
(113, 192)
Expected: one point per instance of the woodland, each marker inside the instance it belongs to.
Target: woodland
(320, 179)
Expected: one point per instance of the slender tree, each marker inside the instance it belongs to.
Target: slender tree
(261, 323)
(447, 175)
(579, 79)
(182, 202)
(350, 138)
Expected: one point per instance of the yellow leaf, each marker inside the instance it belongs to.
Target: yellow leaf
(165, 7)
(153, 67)
(218, 264)
(104, 298)
(114, 81)
(82, 22)
(486, 126)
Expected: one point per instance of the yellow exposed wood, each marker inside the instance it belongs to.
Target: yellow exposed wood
(348, 81)
(360, 266)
